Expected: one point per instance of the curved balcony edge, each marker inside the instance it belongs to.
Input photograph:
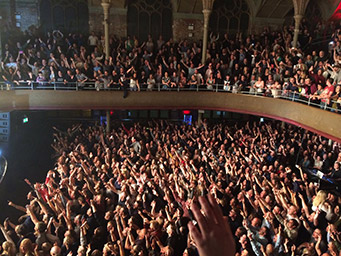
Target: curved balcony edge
(313, 119)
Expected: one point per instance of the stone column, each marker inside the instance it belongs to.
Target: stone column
(298, 19)
(299, 6)
(106, 6)
(207, 10)
(200, 116)
(207, 14)
(108, 127)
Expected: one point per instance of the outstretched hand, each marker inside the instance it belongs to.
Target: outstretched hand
(215, 236)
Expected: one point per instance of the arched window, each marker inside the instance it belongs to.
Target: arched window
(152, 17)
(229, 16)
(313, 13)
(67, 16)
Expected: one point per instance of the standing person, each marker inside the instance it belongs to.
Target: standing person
(81, 79)
(210, 81)
(150, 82)
(166, 81)
(93, 41)
(134, 83)
(123, 83)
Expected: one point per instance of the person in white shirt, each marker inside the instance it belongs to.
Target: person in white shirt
(93, 41)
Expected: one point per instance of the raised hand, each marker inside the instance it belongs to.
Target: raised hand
(214, 236)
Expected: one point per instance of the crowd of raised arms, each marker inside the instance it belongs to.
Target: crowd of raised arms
(164, 188)
(264, 64)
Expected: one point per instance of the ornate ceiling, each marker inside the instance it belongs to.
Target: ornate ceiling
(259, 8)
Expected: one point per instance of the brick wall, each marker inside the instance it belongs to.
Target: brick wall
(181, 24)
(28, 9)
(258, 24)
(117, 22)
(4, 11)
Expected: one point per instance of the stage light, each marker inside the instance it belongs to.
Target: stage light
(186, 112)
(25, 120)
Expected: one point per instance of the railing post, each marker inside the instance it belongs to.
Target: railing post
(309, 101)
(216, 88)
(76, 86)
(197, 87)
(158, 87)
(325, 105)
(54, 86)
(293, 97)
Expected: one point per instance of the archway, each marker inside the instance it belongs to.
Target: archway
(67, 16)
(230, 16)
(313, 14)
(152, 17)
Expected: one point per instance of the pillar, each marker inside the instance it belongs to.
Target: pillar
(207, 10)
(200, 116)
(298, 19)
(108, 127)
(106, 6)
(299, 7)
(207, 14)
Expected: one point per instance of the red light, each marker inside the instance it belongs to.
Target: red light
(111, 113)
(186, 112)
(337, 13)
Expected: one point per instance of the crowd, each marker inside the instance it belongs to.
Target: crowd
(264, 64)
(165, 188)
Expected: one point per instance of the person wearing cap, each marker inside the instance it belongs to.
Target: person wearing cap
(335, 72)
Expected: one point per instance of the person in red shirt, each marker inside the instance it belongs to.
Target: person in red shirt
(327, 93)
(317, 77)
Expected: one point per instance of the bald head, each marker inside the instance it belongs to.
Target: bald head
(55, 251)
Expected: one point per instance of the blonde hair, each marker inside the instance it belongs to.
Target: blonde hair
(320, 198)
(154, 225)
(26, 246)
(9, 248)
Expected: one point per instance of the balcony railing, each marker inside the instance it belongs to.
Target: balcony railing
(331, 105)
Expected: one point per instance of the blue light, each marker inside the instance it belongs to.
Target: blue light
(188, 119)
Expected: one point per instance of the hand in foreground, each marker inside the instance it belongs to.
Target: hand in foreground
(215, 236)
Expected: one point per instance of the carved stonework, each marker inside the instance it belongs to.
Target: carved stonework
(300, 6)
(207, 4)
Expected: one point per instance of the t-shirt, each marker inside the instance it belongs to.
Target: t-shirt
(328, 91)
(93, 40)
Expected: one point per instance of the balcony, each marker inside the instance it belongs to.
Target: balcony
(317, 120)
